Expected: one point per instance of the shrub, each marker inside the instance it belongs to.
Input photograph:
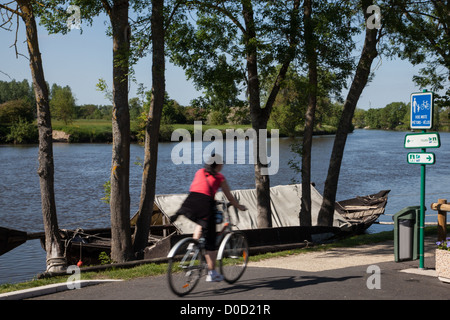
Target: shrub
(14, 110)
(23, 132)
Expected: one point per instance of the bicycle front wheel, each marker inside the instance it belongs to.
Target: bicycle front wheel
(233, 256)
(185, 266)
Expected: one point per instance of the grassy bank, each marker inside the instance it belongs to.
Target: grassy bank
(152, 269)
(88, 131)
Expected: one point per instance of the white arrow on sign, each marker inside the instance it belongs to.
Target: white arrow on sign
(421, 157)
(422, 140)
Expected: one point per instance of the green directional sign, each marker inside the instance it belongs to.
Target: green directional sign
(421, 158)
(422, 140)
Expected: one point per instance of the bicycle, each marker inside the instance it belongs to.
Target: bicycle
(187, 261)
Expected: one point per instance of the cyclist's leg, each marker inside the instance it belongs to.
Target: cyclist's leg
(209, 229)
(210, 257)
(211, 251)
(197, 232)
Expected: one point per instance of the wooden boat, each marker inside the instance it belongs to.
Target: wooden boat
(362, 212)
(10, 238)
(358, 214)
(88, 245)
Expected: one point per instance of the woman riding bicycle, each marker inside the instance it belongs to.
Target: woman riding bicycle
(199, 207)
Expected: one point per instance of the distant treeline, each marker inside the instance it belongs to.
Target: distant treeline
(396, 116)
(18, 114)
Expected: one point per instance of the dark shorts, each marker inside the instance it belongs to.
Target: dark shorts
(198, 207)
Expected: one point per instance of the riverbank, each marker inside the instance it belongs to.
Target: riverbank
(100, 131)
(97, 131)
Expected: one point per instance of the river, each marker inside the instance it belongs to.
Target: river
(374, 160)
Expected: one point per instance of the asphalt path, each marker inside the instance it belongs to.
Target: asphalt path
(277, 284)
(360, 273)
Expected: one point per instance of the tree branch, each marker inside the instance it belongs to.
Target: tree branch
(3, 6)
(107, 7)
(221, 10)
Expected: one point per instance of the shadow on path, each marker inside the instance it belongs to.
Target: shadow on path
(270, 283)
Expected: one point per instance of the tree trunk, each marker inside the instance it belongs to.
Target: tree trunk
(369, 53)
(258, 117)
(152, 129)
(120, 167)
(55, 254)
(311, 58)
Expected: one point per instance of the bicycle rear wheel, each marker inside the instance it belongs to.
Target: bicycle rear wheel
(233, 256)
(185, 266)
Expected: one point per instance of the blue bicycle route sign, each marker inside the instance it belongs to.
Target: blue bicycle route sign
(421, 110)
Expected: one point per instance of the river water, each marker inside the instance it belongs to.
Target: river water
(373, 160)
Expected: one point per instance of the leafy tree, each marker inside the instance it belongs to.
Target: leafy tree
(62, 103)
(15, 90)
(373, 118)
(22, 131)
(234, 44)
(135, 108)
(290, 104)
(359, 118)
(14, 110)
(88, 111)
(172, 112)
(421, 34)
(392, 115)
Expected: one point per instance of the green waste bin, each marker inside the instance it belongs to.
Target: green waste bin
(406, 234)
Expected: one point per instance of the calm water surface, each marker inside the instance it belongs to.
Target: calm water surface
(373, 160)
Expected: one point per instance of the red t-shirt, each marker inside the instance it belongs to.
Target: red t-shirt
(205, 183)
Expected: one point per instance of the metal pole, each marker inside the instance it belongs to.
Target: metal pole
(422, 212)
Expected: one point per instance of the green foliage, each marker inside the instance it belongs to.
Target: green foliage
(14, 90)
(136, 108)
(22, 132)
(16, 117)
(291, 102)
(107, 192)
(216, 117)
(104, 258)
(86, 130)
(62, 103)
(172, 112)
(390, 117)
(396, 116)
(420, 32)
(13, 110)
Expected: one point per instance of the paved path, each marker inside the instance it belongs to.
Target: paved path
(361, 273)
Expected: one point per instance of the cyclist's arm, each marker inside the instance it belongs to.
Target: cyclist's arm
(227, 192)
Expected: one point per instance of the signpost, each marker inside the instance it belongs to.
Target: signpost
(422, 118)
(422, 110)
(421, 157)
(422, 140)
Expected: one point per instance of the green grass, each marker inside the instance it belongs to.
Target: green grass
(86, 130)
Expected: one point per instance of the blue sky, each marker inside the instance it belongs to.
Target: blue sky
(79, 60)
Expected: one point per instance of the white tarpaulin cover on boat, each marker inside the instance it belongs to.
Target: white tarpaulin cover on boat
(285, 203)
